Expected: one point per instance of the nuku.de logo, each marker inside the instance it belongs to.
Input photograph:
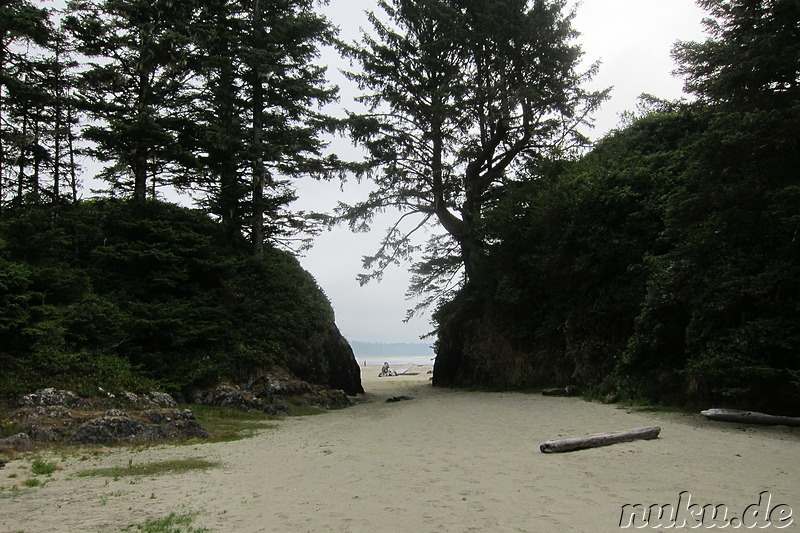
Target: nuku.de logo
(692, 515)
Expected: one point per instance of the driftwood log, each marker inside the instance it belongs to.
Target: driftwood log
(560, 391)
(568, 445)
(750, 417)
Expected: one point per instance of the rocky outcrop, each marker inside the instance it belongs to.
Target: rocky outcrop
(328, 361)
(51, 415)
(117, 427)
(19, 442)
(51, 397)
(271, 393)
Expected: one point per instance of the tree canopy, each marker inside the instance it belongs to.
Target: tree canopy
(462, 95)
(219, 99)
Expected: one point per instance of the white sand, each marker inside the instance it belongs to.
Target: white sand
(448, 461)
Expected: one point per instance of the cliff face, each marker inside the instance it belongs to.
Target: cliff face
(328, 360)
(477, 347)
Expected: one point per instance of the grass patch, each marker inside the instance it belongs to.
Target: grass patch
(7, 426)
(171, 523)
(177, 466)
(31, 483)
(13, 492)
(40, 467)
(225, 425)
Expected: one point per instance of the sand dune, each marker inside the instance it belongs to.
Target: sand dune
(445, 461)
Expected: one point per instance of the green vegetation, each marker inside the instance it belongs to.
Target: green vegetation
(126, 292)
(224, 425)
(177, 466)
(40, 467)
(143, 295)
(664, 264)
(172, 523)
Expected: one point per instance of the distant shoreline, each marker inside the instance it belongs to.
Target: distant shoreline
(396, 360)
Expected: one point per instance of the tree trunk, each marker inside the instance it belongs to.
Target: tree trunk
(73, 171)
(229, 197)
(259, 172)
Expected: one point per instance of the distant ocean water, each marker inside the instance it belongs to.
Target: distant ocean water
(396, 361)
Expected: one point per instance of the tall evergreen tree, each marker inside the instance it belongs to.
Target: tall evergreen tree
(462, 94)
(752, 55)
(59, 81)
(133, 88)
(23, 31)
(256, 119)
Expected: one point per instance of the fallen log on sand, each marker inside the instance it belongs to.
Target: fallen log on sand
(568, 445)
(560, 391)
(750, 417)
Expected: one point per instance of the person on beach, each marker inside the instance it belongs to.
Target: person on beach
(386, 371)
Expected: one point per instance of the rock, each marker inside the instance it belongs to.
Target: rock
(188, 425)
(329, 399)
(229, 396)
(108, 430)
(51, 397)
(277, 407)
(51, 415)
(150, 400)
(118, 427)
(328, 362)
(2, 463)
(162, 399)
(398, 398)
(47, 424)
(18, 442)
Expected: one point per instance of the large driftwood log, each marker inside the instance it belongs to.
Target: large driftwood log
(568, 445)
(749, 417)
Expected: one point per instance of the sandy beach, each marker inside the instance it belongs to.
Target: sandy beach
(443, 461)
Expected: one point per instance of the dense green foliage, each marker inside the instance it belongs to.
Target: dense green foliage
(664, 264)
(134, 295)
(636, 271)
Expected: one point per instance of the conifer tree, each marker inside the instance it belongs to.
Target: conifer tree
(752, 55)
(462, 94)
(133, 87)
(23, 33)
(255, 116)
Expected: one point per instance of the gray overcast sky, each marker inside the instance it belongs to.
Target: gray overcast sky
(632, 39)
